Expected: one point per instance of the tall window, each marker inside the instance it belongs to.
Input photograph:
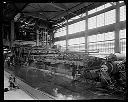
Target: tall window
(109, 42)
(77, 44)
(106, 18)
(76, 17)
(122, 13)
(92, 11)
(101, 43)
(110, 17)
(100, 8)
(92, 40)
(77, 27)
(123, 40)
(96, 9)
(100, 20)
(92, 22)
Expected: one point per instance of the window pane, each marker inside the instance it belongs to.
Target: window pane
(60, 32)
(92, 38)
(100, 20)
(121, 1)
(82, 47)
(70, 27)
(123, 45)
(76, 44)
(73, 18)
(76, 41)
(123, 40)
(76, 17)
(92, 46)
(77, 27)
(107, 5)
(110, 17)
(100, 37)
(81, 25)
(123, 33)
(109, 36)
(100, 46)
(63, 31)
(73, 41)
(109, 46)
(82, 40)
(122, 13)
(92, 11)
(92, 22)
(98, 43)
(100, 8)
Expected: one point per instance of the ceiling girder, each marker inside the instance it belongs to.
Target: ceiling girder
(66, 10)
(43, 12)
(19, 10)
(57, 6)
(38, 11)
(23, 7)
(90, 6)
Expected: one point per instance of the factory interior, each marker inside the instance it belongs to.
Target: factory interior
(64, 51)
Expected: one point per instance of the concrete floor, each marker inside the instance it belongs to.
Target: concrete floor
(17, 94)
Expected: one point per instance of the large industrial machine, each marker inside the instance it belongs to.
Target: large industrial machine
(36, 64)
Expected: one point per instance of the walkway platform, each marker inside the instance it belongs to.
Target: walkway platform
(17, 94)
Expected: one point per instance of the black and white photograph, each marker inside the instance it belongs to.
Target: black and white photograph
(64, 50)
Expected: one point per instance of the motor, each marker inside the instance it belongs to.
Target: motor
(111, 75)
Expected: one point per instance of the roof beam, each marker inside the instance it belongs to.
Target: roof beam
(19, 10)
(39, 11)
(57, 6)
(61, 8)
(24, 6)
(43, 12)
(34, 15)
(88, 7)
(67, 10)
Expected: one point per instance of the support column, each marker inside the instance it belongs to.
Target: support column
(117, 30)
(86, 33)
(37, 37)
(12, 33)
(67, 36)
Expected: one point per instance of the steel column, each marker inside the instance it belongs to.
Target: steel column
(12, 33)
(117, 30)
(67, 36)
(86, 33)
